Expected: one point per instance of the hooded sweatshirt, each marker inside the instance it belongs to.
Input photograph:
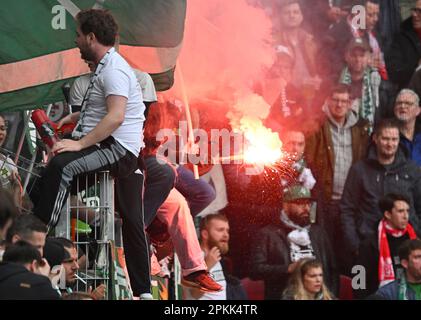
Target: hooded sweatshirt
(18, 283)
(342, 149)
(321, 154)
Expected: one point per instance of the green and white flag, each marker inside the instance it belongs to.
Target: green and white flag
(38, 52)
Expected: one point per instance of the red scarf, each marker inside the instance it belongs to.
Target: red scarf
(386, 273)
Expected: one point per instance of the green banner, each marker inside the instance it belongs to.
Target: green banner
(33, 97)
(30, 29)
(38, 52)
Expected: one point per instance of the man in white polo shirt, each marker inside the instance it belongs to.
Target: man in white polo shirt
(108, 136)
(214, 238)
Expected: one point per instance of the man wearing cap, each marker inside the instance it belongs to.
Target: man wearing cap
(278, 247)
(352, 27)
(363, 80)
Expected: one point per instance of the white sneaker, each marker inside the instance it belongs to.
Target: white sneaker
(146, 296)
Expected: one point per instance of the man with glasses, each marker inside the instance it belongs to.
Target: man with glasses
(405, 52)
(341, 141)
(406, 111)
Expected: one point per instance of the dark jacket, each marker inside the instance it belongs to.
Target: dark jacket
(366, 183)
(17, 283)
(270, 258)
(332, 54)
(276, 120)
(389, 21)
(404, 54)
(414, 146)
(415, 82)
(315, 15)
(368, 257)
(319, 153)
(307, 45)
(235, 290)
(391, 291)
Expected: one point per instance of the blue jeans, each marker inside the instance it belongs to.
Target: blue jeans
(198, 193)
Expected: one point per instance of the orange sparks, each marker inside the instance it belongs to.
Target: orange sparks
(262, 146)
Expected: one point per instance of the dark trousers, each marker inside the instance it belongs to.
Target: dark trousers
(135, 244)
(160, 177)
(332, 225)
(54, 185)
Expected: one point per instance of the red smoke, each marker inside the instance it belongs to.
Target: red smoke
(226, 48)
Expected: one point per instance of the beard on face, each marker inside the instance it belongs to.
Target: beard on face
(222, 246)
(402, 119)
(70, 282)
(86, 54)
(301, 220)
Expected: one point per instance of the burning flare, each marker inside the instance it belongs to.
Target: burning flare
(262, 145)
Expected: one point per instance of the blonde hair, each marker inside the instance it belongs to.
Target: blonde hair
(296, 290)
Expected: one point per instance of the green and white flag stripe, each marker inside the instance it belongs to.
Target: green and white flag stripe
(37, 58)
(41, 70)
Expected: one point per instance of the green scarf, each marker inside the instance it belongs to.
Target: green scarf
(403, 290)
(300, 165)
(367, 104)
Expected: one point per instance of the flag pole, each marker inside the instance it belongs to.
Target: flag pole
(188, 114)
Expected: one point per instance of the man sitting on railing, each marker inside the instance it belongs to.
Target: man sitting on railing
(108, 136)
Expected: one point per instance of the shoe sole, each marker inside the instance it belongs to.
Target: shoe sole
(194, 285)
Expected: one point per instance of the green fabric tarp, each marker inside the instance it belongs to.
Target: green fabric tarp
(37, 59)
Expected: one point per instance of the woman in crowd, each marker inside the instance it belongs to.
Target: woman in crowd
(306, 282)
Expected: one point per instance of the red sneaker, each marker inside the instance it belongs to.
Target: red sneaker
(201, 280)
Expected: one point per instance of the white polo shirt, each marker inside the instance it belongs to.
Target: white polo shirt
(117, 78)
(147, 86)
